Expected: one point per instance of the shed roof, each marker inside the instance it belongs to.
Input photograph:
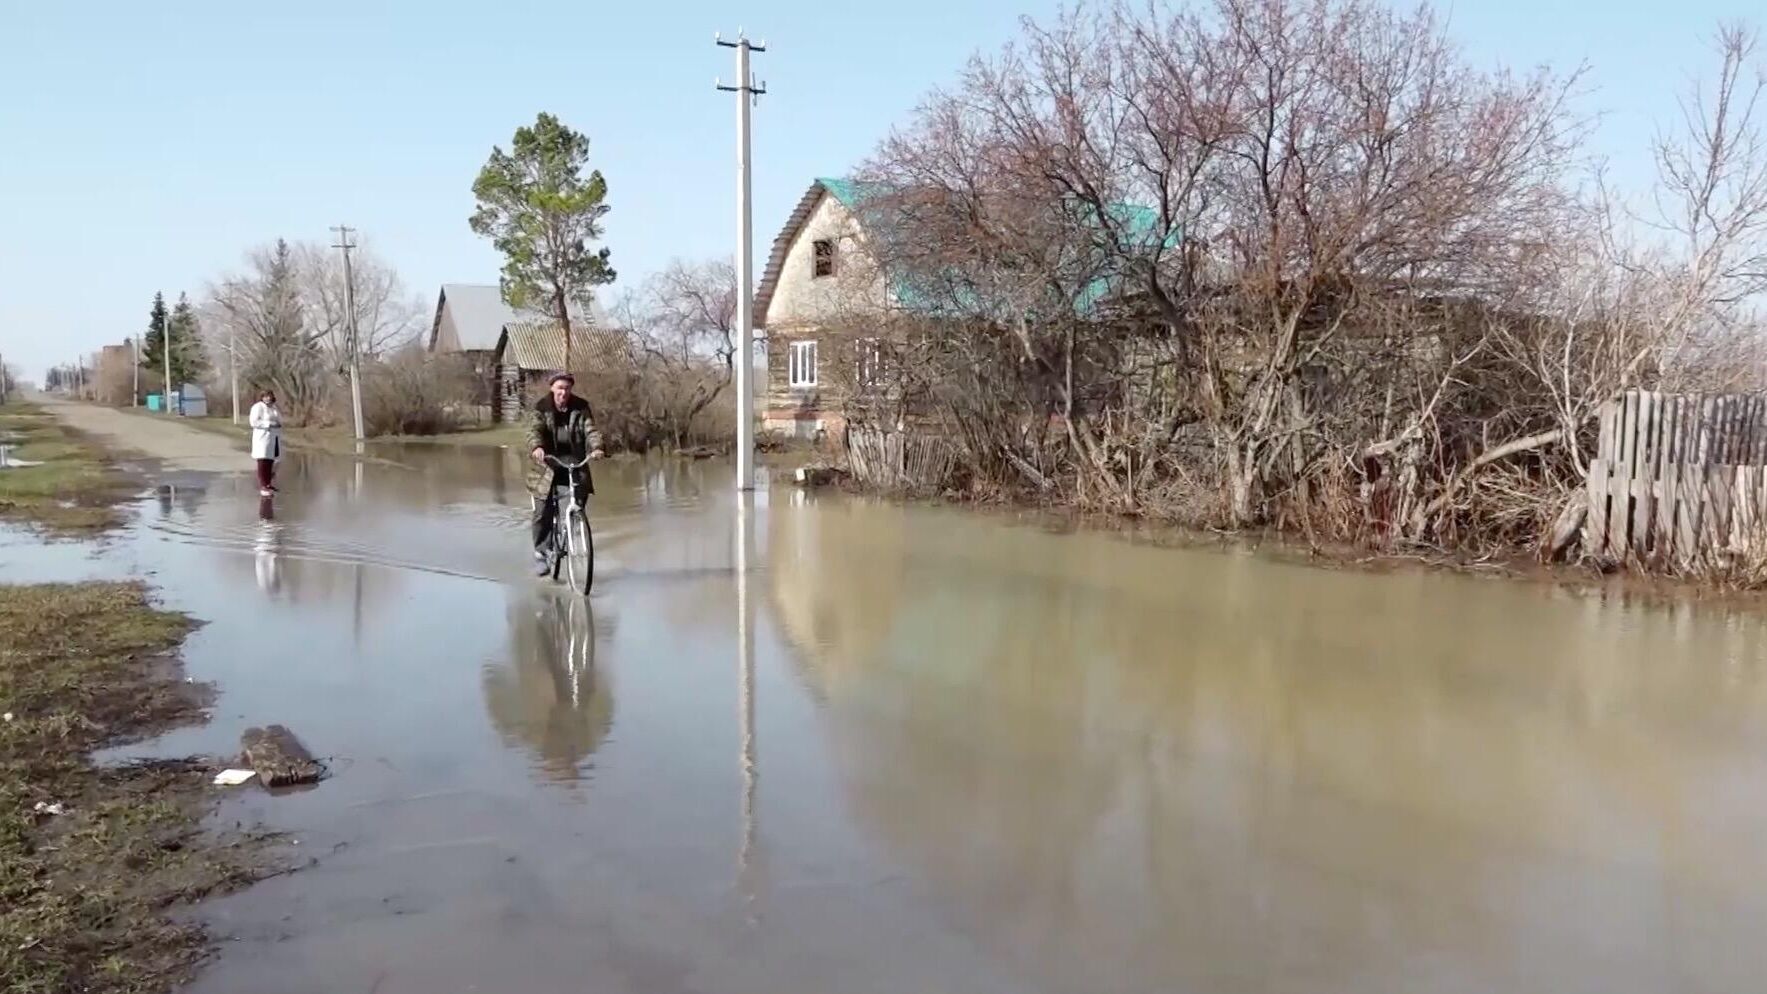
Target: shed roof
(479, 314)
(538, 345)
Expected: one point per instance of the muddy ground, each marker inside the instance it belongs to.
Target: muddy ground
(95, 858)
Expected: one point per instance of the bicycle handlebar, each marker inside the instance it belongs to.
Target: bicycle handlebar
(561, 464)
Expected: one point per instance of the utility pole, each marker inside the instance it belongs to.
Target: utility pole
(166, 339)
(350, 330)
(233, 367)
(747, 92)
(135, 389)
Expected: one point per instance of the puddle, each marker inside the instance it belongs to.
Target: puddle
(811, 743)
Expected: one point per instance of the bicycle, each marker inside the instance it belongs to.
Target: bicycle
(579, 544)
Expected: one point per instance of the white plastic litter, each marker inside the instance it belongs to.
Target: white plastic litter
(57, 808)
(6, 717)
(233, 778)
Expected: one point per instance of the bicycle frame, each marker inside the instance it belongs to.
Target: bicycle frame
(563, 536)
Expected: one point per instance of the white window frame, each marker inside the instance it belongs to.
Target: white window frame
(800, 369)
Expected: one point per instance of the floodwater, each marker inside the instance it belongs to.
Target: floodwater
(811, 743)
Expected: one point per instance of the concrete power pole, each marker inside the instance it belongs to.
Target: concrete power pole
(167, 341)
(353, 350)
(135, 382)
(233, 368)
(747, 91)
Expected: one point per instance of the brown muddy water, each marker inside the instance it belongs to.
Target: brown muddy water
(810, 743)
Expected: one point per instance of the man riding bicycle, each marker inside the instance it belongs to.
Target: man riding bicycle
(561, 427)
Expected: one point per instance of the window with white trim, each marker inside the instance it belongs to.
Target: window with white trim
(801, 365)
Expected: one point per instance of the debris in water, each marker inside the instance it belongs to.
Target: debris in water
(233, 778)
(279, 757)
(817, 476)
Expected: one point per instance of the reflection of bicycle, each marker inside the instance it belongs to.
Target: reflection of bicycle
(576, 560)
(579, 648)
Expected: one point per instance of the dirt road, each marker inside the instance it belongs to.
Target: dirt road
(175, 445)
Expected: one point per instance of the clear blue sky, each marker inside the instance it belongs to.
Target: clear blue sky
(146, 146)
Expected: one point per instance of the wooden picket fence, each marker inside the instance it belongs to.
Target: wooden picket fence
(899, 460)
(1678, 478)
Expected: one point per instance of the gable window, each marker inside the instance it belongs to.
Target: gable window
(801, 366)
(822, 258)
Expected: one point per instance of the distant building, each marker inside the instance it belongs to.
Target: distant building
(529, 351)
(469, 322)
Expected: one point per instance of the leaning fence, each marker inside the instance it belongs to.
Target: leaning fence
(899, 460)
(1678, 478)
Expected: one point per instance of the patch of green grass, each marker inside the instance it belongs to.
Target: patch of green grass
(84, 895)
(74, 492)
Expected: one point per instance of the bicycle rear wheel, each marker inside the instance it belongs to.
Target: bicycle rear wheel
(580, 550)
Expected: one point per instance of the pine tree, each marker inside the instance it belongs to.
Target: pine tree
(188, 359)
(153, 344)
(545, 215)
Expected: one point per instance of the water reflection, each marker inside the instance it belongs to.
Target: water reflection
(750, 868)
(546, 694)
(267, 548)
(1141, 770)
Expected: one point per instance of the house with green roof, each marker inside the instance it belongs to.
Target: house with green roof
(821, 301)
(827, 305)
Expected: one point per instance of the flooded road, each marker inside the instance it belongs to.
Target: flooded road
(809, 743)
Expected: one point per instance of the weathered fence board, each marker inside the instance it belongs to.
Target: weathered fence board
(1677, 477)
(898, 460)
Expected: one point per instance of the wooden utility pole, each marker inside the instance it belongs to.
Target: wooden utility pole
(747, 92)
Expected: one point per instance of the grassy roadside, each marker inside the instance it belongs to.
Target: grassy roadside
(74, 490)
(93, 858)
(84, 894)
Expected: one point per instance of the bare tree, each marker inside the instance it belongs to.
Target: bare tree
(678, 342)
(276, 345)
(387, 314)
(1246, 186)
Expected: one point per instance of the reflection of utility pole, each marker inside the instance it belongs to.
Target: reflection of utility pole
(747, 91)
(745, 641)
(350, 327)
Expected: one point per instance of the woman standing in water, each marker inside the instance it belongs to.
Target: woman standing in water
(266, 423)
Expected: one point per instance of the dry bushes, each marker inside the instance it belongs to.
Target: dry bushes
(1297, 263)
(412, 393)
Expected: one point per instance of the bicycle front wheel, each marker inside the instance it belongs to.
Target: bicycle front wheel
(581, 551)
